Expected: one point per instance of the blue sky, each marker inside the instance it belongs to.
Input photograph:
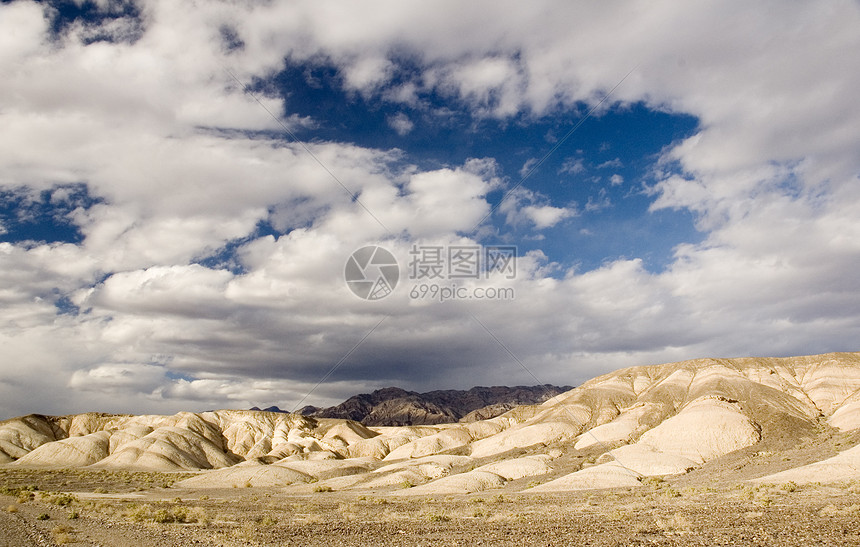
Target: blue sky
(601, 171)
(166, 244)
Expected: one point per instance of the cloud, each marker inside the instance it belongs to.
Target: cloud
(616, 180)
(528, 166)
(524, 206)
(615, 164)
(118, 378)
(599, 202)
(546, 216)
(185, 164)
(401, 123)
(573, 166)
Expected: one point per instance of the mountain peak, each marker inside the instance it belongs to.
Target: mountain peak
(394, 406)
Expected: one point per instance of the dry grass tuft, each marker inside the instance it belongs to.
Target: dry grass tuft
(62, 535)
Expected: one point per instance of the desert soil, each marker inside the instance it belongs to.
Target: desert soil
(74, 507)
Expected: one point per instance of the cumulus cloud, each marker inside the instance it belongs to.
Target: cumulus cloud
(185, 165)
(614, 163)
(546, 216)
(401, 123)
(573, 166)
(524, 206)
(598, 202)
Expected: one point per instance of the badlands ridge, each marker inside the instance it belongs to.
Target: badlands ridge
(612, 431)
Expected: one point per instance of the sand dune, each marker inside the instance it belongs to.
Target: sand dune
(610, 432)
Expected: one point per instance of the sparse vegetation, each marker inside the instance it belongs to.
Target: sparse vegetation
(59, 498)
(653, 481)
(262, 517)
(438, 517)
(789, 486)
(677, 523)
(166, 515)
(62, 535)
(267, 520)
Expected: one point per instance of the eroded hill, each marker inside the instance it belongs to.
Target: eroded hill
(614, 430)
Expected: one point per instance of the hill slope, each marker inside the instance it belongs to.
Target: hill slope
(764, 419)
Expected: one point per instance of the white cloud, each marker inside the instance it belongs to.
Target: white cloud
(573, 166)
(528, 166)
(367, 73)
(160, 130)
(599, 202)
(118, 378)
(615, 164)
(546, 216)
(616, 180)
(401, 123)
(524, 206)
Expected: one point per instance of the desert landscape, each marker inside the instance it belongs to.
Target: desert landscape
(328, 273)
(755, 451)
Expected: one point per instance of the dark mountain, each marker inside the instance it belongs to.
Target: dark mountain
(272, 409)
(395, 406)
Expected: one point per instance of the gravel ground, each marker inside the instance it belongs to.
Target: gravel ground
(113, 509)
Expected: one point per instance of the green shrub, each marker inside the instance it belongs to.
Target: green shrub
(438, 517)
(63, 500)
(163, 516)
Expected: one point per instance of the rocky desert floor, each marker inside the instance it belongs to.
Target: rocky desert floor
(82, 507)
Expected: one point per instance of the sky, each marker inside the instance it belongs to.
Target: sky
(183, 185)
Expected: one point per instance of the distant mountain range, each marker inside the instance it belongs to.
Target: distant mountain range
(396, 407)
(393, 406)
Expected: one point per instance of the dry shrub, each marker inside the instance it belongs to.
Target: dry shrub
(267, 520)
(790, 486)
(62, 535)
(438, 517)
(162, 515)
(677, 524)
